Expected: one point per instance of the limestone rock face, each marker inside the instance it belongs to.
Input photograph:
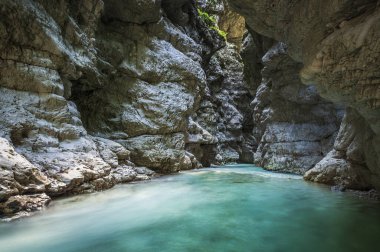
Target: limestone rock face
(337, 42)
(345, 165)
(294, 126)
(229, 21)
(147, 96)
(18, 175)
(51, 54)
(133, 11)
(159, 152)
(94, 93)
(38, 60)
(254, 47)
(233, 24)
(223, 121)
(22, 205)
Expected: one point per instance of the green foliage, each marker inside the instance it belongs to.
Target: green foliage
(207, 18)
(221, 33)
(211, 22)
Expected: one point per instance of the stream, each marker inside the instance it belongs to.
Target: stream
(230, 208)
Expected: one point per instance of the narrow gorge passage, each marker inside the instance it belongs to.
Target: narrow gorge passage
(97, 93)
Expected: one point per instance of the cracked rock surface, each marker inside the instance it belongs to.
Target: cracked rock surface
(95, 93)
(338, 44)
(294, 126)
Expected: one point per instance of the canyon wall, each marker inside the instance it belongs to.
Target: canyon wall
(291, 127)
(294, 127)
(95, 93)
(224, 111)
(337, 43)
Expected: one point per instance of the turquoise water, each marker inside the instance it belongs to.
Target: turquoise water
(232, 208)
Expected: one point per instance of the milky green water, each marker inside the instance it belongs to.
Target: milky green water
(232, 208)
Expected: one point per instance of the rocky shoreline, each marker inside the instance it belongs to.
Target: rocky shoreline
(21, 206)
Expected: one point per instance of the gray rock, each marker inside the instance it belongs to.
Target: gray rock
(337, 42)
(222, 125)
(295, 127)
(76, 76)
(123, 174)
(17, 174)
(133, 11)
(19, 206)
(163, 153)
(334, 169)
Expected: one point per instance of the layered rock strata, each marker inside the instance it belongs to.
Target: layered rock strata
(93, 92)
(224, 119)
(338, 44)
(294, 126)
(221, 129)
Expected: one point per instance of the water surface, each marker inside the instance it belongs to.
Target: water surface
(232, 208)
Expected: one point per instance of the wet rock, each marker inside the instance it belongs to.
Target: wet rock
(23, 205)
(370, 194)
